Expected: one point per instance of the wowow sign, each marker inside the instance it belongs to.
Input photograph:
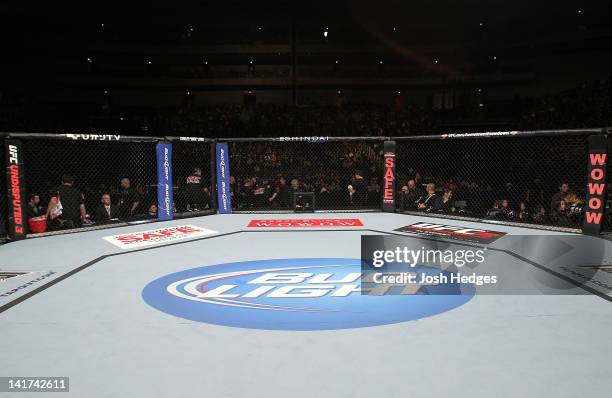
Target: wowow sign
(596, 185)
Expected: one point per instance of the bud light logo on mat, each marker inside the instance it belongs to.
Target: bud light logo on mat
(292, 294)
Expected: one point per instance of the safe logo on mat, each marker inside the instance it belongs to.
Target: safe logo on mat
(157, 236)
(291, 294)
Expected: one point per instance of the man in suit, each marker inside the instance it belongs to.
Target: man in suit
(106, 211)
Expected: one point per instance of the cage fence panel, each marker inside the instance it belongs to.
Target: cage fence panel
(342, 174)
(537, 178)
(192, 177)
(120, 172)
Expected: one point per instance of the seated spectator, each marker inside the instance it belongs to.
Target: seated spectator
(152, 211)
(495, 210)
(563, 190)
(428, 202)
(540, 217)
(575, 207)
(410, 196)
(106, 211)
(522, 213)
(445, 203)
(560, 215)
(505, 211)
(34, 209)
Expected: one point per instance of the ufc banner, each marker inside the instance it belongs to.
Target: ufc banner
(15, 183)
(596, 185)
(389, 178)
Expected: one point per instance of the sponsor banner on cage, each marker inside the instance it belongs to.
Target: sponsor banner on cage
(158, 236)
(165, 197)
(453, 232)
(15, 189)
(597, 180)
(224, 196)
(94, 137)
(389, 179)
(306, 223)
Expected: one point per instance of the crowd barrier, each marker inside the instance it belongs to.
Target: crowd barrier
(508, 177)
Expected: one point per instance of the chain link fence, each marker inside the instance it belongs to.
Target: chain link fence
(343, 174)
(97, 182)
(530, 178)
(193, 175)
(536, 178)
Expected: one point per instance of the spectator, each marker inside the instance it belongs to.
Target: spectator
(66, 206)
(152, 211)
(281, 196)
(197, 198)
(34, 208)
(410, 196)
(360, 190)
(505, 211)
(428, 202)
(128, 199)
(522, 213)
(539, 217)
(563, 190)
(106, 211)
(445, 203)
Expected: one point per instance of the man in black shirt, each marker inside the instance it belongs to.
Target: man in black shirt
(445, 203)
(194, 191)
(73, 211)
(281, 196)
(34, 208)
(128, 199)
(410, 196)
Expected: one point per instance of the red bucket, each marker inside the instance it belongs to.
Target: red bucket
(38, 224)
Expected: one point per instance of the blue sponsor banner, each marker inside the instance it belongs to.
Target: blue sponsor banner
(165, 199)
(224, 198)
